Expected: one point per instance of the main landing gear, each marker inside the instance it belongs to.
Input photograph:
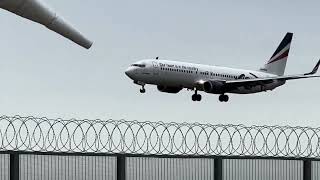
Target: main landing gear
(223, 98)
(196, 96)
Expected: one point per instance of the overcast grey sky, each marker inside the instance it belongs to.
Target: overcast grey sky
(43, 74)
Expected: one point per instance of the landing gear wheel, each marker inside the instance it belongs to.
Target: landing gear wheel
(226, 98)
(223, 98)
(142, 90)
(196, 97)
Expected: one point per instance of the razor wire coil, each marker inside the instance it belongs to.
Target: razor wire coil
(156, 138)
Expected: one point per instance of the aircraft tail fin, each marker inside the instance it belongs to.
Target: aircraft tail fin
(277, 63)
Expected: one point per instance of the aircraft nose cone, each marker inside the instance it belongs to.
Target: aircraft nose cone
(129, 72)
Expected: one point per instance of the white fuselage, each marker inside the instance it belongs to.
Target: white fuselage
(191, 76)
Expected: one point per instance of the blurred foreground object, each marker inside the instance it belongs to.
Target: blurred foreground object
(37, 11)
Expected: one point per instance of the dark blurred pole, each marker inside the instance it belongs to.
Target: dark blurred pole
(218, 169)
(307, 165)
(121, 167)
(14, 166)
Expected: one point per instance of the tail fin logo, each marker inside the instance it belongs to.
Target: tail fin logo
(283, 49)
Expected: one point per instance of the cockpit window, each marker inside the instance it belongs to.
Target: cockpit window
(139, 65)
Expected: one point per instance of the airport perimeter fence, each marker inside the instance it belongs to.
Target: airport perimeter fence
(41, 148)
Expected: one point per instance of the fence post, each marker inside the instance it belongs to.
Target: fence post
(121, 167)
(218, 168)
(307, 169)
(14, 166)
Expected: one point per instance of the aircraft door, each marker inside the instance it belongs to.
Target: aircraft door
(207, 74)
(155, 68)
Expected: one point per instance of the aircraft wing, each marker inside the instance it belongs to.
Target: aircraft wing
(266, 80)
(257, 81)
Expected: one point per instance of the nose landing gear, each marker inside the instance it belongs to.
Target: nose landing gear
(142, 90)
(223, 98)
(196, 96)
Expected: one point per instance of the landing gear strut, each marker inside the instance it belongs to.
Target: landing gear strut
(142, 90)
(223, 98)
(196, 96)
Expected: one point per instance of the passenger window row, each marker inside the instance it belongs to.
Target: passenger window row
(219, 75)
(203, 73)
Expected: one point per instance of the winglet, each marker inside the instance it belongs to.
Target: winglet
(315, 69)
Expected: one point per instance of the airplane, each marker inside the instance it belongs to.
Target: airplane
(173, 76)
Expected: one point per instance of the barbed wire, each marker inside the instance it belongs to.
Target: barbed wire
(156, 138)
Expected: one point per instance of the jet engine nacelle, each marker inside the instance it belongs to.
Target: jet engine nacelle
(169, 89)
(214, 87)
(36, 11)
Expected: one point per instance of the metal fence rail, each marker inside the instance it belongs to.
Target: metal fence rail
(82, 167)
(46, 167)
(4, 167)
(253, 169)
(169, 169)
(315, 170)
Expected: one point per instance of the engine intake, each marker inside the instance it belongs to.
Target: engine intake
(214, 87)
(169, 89)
